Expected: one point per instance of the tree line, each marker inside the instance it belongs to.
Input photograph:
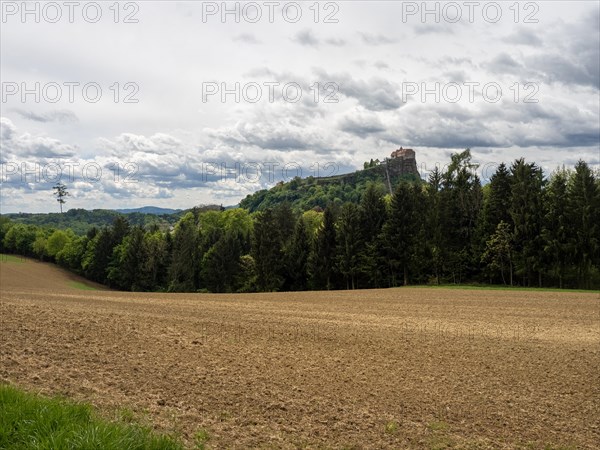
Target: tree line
(519, 229)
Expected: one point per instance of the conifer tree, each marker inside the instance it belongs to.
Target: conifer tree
(267, 251)
(349, 243)
(584, 217)
(322, 257)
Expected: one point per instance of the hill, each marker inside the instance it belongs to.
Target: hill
(149, 210)
(27, 273)
(82, 220)
(311, 192)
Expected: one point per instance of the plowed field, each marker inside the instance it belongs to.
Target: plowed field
(394, 368)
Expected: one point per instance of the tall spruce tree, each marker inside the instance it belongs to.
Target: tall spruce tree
(158, 259)
(221, 264)
(435, 230)
(372, 215)
(497, 204)
(125, 270)
(556, 228)
(322, 257)
(349, 243)
(461, 200)
(584, 217)
(527, 212)
(401, 231)
(297, 257)
(498, 253)
(184, 268)
(267, 251)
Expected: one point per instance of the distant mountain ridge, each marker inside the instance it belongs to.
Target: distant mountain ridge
(149, 210)
(82, 220)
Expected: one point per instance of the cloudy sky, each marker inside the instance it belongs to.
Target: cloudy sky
(176, 104)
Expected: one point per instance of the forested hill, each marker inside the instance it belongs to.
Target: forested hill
(149, 210)
(83, 220)
(308, 193)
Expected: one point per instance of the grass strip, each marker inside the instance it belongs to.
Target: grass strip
(30, 421)
(81, 286)
(11, 258)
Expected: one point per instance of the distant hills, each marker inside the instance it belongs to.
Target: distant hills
(82, 220)
(149, 210)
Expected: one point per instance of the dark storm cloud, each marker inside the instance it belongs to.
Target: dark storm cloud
(584, 139)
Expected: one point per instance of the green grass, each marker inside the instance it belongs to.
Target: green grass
(485, 287)
(29, 421)
(438, 426)
(391, 427)
(11, 258)
(201, 438)
(81, 286)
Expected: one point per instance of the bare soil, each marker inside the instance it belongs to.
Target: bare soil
(394, 368)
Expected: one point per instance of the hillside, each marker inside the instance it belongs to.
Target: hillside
(149, 210)
(18, 273)
(307, 193)
(82, 220)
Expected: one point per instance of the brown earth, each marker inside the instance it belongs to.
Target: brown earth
(394, 368)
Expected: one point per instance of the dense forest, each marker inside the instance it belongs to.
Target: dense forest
(80, 221)
(519, 229)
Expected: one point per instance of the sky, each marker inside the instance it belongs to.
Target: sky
(177, 104)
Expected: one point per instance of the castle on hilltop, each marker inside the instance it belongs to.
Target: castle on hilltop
(403, 153)
(401, 162)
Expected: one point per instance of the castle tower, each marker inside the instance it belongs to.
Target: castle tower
(403, 161)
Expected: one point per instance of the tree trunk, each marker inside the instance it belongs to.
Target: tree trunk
(560, 281)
